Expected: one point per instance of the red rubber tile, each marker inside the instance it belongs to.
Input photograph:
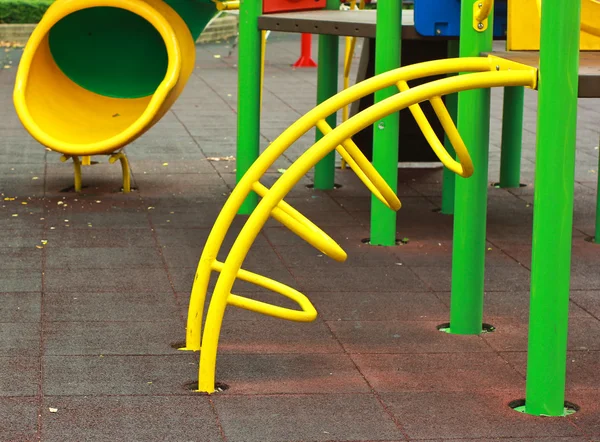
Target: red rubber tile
(331, 417)
(474, 415)
(438, 372)
(402, 337)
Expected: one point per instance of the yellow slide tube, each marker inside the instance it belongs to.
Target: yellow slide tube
(72, 120)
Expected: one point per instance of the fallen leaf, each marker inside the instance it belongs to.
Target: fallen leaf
(165, 164)
(53, 410)
(229, 158)
(281, 170)
(217, 56)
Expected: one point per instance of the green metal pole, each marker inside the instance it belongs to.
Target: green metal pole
(385, 131)
(597, 231)
(470, 206)
(449, 178)
(512, 136)
(327, 86)
(553, 208)
(248, 130)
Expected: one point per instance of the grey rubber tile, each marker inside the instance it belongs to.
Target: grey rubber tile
(111, 306)
(305, 417)
(94, 280)
(20, 307)
(104, 338)
(19, 417)
(19, 376)
(149, 418)
(102, 258)
(119, 375)
(20, 339)
(20, 280)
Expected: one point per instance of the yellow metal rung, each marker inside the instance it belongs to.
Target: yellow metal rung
(303, 227)
(307, 312)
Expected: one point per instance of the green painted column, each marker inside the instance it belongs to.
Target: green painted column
(470, 205)
(553, 208)
(512, 136)
(449, 177)
(327, 86)
(249, 66)
(385, 131)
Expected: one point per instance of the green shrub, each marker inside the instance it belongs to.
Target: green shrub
(23, 11)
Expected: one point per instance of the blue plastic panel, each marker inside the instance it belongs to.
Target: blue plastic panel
(441, 18)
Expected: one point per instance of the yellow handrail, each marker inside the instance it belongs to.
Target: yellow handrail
(464, 168)
(481, 12)
(227, 5)
(484, 8)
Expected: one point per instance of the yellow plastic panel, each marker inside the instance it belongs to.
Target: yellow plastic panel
(524, 27)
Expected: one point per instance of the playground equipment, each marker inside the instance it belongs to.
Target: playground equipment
(558, 91)
(305, 60)
(483, 73)
(86, 87)
(553, 202)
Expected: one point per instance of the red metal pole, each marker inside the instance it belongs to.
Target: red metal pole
(305, 60)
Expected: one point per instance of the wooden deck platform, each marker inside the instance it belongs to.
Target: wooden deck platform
(589, 68)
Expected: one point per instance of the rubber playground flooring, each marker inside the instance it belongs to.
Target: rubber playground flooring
(94, 290)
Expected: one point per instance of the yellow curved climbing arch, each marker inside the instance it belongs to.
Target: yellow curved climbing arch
(485, 73)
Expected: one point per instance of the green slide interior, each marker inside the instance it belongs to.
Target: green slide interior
(116, 53)
(110, 51)
(195, 13)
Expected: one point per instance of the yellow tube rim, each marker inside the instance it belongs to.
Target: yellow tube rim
(55, 13)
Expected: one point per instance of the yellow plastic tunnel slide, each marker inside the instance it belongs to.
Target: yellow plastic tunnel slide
(96, 74)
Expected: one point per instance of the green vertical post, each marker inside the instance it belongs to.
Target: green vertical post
(248, 130)
(470, 205)
(512, 136)
(597, 231)
(449, 177)
(385, 131)
(553, 208)
(327, 86)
